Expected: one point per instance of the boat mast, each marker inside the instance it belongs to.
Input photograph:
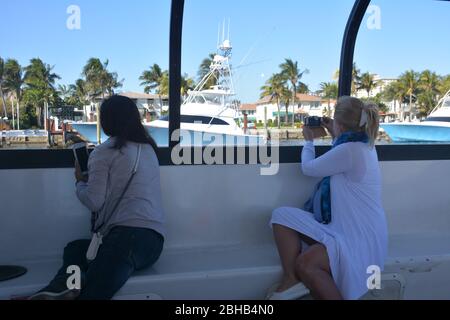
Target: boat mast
(220, 68)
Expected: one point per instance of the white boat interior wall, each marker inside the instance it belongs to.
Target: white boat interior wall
(219, 243)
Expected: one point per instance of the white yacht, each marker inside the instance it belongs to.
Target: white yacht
(209, 115)
(435, 128)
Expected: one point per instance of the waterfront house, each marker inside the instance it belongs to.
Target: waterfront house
(305, 105)
(150, 105)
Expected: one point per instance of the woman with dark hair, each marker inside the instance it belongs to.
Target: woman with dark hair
(123, 190)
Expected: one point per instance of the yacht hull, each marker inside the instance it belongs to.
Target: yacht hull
(189, 136)
(420, 132)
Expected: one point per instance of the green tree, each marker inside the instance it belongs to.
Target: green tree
(14, 80)
(367, 82)
(285, 98)
(444, 85)
(389, 93)
(156, 80)
(2, 93)
(98, 80)
(329, 91)
(410, 82)
(429, 91)
(274, 88)
(65, 92)
(39, 88)
(151, 79)
(80, 97)
(291, 72)
(164, 86)
(186, 85)
(205, 68)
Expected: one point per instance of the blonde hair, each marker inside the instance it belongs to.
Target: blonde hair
(349, 113)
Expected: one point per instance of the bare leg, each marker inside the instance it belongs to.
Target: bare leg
(313, 266)
(289, 247)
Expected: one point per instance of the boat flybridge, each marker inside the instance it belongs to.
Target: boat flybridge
(219, 244)
(212, 111)
(435, 128)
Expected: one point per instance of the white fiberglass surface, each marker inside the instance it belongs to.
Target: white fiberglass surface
(217, 218)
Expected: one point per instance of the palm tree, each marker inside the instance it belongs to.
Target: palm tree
(39, 82)
(98, 80)
(80, 97)
(356, 76)
(396, 91)
(429, 91)
(410, 81)
(186, 85)
(367, 82)
(444, 85)
(329, 90)
(205, 68)
(112, 82)
(152, 80)
(274, 88)
(14, 79)
(164, 86)
(286, 99)
(65, 92)
(291, 72)
(2, 72)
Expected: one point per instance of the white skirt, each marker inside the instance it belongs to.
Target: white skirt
(349, 278)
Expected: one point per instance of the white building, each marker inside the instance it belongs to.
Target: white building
(148, 104)
(306, 105)
(250, 110)
(381, 84)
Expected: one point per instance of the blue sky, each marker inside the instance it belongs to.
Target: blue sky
(134, 34)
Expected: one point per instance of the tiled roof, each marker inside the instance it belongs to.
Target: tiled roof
(302, 97)
(139, 95)
(248, 106)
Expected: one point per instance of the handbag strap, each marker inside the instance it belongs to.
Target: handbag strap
(106, 219)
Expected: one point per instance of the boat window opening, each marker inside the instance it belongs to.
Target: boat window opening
(199, 99)
(287, 118)
(412, 90)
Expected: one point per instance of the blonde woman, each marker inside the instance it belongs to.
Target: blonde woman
(327, 248)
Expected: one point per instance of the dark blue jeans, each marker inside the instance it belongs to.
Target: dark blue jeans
(124, 250)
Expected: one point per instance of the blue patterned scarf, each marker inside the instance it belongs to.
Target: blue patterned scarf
(322, 195)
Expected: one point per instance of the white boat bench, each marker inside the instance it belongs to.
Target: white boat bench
(246, 272)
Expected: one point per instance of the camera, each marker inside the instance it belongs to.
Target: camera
(313, 121)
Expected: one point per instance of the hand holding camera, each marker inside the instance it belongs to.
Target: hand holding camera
(328, 124)
(314, 128)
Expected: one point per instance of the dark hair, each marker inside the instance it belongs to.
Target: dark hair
(120, 118)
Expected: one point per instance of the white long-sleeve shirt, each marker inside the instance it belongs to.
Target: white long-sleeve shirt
(357, 237)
